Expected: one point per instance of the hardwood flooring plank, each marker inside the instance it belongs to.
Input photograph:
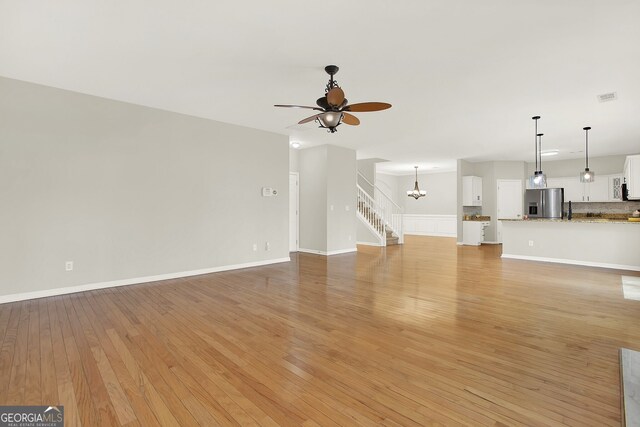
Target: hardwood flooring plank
(8, 348)
(64, 383)
(18, 368)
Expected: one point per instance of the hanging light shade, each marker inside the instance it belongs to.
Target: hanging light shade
(587, 175)
(330, 120)
(416, 193)
(538, 179)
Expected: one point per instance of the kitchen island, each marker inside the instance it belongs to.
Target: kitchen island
(587, 241)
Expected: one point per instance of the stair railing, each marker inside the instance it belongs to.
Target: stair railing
(391, 212)
(369, 210)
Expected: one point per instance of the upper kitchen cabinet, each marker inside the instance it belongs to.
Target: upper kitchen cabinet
(605, 188)
(632, 175)
(471, 191)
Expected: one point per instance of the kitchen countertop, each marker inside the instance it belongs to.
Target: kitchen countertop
(578, 220)
(478, 218)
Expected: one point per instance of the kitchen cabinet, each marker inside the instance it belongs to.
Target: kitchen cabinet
(471, 191)
(605, 188)
(598, 190)
(632, 176)
(473, 232)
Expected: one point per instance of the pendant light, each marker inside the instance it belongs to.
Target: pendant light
(538, 179)
(587, 175)
(416, 193)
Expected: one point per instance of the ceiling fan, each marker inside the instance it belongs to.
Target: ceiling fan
(334, 107)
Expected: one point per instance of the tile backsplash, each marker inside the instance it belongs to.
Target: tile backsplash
(609, 207)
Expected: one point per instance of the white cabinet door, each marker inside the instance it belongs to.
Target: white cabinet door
(598, 190)
(471, 191)
(473, 232)
(573, 190)
(632, 175)
(477, 191)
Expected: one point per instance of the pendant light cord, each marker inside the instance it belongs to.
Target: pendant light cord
(536, 152)
(586, 149)
(536, 147)
(540, 135)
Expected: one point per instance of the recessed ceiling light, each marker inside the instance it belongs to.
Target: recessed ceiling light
(550, 153)
(295, 144)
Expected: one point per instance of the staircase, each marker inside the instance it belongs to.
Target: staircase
(383, 217)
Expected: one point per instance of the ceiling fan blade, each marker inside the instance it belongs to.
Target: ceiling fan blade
(335, 97)
(298, 106)
(350, 119)
(367, 106)
(322, 103)
(308, 119)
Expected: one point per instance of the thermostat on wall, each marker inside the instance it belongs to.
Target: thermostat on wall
(268, 192)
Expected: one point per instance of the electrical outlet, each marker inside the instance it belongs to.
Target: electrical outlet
(267, 246)
(68, 266)
(347, 208)
(349, 237)
(331, 207)
(530, 242)
(255, 247)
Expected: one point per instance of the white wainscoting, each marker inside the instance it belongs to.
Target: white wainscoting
(431, 225)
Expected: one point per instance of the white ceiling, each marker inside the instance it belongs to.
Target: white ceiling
(464, 77)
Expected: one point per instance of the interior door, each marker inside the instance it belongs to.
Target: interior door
(293, 212)
(509, 202)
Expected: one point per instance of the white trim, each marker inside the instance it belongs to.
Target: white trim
(432, 234)
(329, 253)
(134, 281)
(369, 244)
(297, 174)
(574, 262)
(486, 242)
(412, 223)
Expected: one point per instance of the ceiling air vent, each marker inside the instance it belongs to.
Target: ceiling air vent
(605, 97)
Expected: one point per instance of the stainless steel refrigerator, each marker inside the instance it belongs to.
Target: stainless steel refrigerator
(544, 203)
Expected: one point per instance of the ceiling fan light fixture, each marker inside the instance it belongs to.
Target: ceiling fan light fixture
(334, 107)
(330, 119)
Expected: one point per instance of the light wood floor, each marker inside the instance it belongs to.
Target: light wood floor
(421, 334)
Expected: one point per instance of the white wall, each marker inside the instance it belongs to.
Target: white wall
(441, 198)
(126, 191)
(367, 168)
(441, 193)
(327, 199)
(313, 198)
(294, 159)
(342, 195)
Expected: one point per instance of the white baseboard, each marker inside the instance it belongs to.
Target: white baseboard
(137, 280)
(338, 252)
(574, 262)
(432, 234)
(369, 244)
